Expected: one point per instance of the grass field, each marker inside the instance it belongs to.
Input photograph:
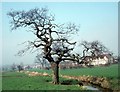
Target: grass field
(109, 71)
(20, 81)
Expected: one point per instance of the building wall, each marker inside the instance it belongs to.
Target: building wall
(100, 61)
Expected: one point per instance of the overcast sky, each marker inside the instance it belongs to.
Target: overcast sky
(98, 21)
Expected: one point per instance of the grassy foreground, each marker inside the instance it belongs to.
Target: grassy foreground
(21, 81)
(110, 72)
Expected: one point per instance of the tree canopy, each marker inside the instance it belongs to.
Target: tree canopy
(93, 50)
(51, 38)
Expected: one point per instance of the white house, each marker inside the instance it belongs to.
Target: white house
(102, 60)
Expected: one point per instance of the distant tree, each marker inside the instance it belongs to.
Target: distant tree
(13, 66)
(28, 67)
(3, 69)
(42, 61)
(118, 58)
(20, 67)
(51, 38)
(93, 50)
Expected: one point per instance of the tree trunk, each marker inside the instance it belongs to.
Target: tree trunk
(55, 70)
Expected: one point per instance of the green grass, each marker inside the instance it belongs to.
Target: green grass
(20, 81)
(109, 71)
(13, 74)
(32, 83)
(41, 70)
(0, 83)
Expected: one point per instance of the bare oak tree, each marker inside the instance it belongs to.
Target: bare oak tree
(93, 50)
(51, 38)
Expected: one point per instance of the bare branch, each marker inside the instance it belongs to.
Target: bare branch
(40, 23)
(95, 49)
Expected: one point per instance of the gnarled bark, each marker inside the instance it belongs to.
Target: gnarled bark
(55, 70)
